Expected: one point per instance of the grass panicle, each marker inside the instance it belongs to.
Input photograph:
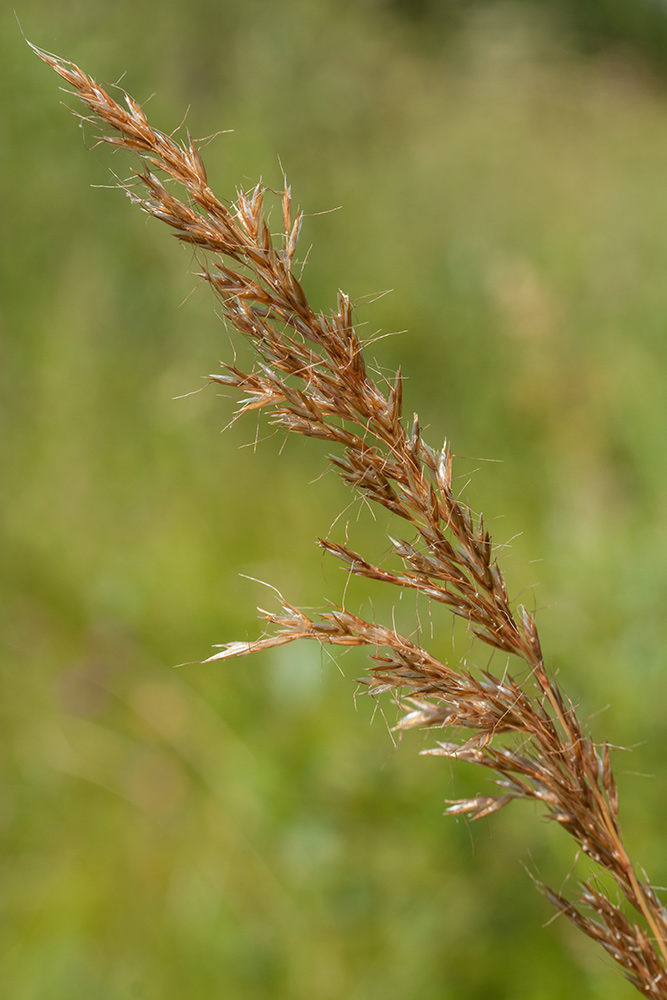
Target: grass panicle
(311, 375)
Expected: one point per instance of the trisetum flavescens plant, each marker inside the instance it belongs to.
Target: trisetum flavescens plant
(311, 375)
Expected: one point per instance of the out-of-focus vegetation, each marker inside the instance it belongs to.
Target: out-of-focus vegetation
(591, 26)
(243, 831)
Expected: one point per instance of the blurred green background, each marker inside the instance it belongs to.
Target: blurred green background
(248, 830)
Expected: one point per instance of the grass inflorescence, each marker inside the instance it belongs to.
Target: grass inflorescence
(312, 377)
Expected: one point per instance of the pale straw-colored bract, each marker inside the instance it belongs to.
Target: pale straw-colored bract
(311, 374)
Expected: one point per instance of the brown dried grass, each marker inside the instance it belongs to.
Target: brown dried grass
(312, 375)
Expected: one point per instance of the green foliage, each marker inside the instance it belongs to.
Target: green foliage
(638, 29)
(242, 831)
